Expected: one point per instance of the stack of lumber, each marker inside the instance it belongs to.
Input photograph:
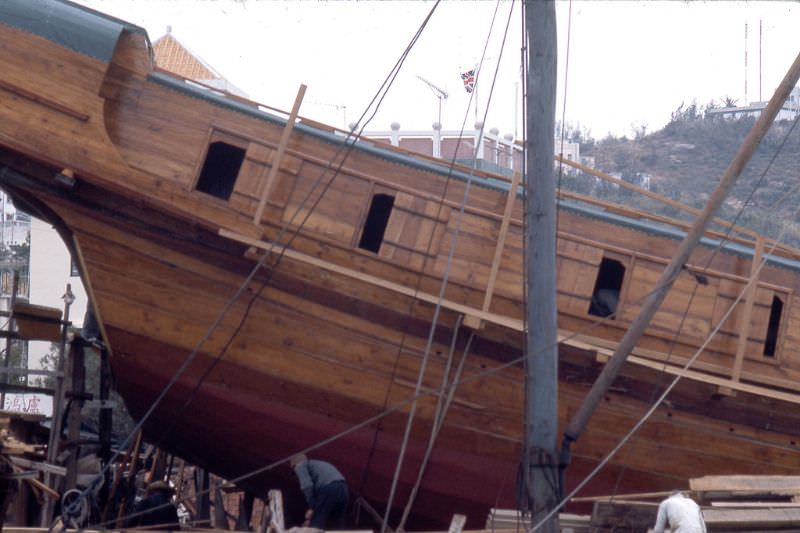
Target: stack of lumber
(749, 503)
(511, 520)
(729, 503)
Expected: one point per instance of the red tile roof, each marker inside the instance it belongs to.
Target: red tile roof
(171, 55)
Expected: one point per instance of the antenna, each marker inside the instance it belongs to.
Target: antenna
(440, 93)
(760, 38)
(745, 63)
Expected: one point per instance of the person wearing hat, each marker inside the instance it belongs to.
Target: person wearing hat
(325, 491)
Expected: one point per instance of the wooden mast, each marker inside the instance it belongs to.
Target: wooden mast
(671, 272)
(540, 457)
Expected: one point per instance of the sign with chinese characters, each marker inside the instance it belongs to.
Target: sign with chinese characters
(34, 404)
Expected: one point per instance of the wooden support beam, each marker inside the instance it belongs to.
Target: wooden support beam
(276, 523)
(276, 160)
(469, 320)
(605, 355)
(747, 312)
(457, 523)
(634, 496)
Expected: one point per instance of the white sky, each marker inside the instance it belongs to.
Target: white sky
(631, 62)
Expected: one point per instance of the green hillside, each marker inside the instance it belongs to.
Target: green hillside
(686, 160)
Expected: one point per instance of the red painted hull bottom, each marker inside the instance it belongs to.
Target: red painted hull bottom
(233, 434)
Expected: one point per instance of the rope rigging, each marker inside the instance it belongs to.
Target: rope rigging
(347, 146)
(449, 387)
(752, 279)
(392, 409)
(699, 276)
(445, 279)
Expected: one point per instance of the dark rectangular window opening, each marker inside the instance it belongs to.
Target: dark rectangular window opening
(605, 295)
(220, 169)
(773, 327)
(377, 220)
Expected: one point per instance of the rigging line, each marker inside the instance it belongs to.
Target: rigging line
(655, 406)
(445, 277)
(394, 408)
(442, 408)
(755, 275)
(727, 234)
(419, 279)
(347, 148)
(402, 404)
(477, 376)
(661, 376)
(439, 417)
(564, 110)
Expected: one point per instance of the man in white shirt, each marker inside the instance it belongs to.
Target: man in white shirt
(682, 515)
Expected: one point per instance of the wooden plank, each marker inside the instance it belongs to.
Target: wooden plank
(457, 523)
(744, 332)
(504, 321)
(501, 241)
(745, 483)
(276, 523)
(630, 496)
(756, 504)
(603, 355)
(39, 465)
(276, 162)
(753, 519)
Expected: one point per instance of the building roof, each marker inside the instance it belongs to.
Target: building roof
(171, 55)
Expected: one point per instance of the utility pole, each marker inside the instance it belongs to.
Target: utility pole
(540, 455)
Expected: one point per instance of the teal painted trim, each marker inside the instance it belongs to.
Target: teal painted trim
(83, 30)
(579, 208)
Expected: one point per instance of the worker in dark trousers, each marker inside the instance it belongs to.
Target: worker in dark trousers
(325, 490)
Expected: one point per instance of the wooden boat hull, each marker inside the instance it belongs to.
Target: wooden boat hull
(334, 330)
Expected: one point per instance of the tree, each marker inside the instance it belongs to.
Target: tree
(729, 102)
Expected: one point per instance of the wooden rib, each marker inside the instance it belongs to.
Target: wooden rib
(276, 160)
(498, 251)
(744, 325)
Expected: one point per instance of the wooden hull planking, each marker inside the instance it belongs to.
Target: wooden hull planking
(334, 331)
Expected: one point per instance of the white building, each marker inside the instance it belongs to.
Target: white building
(789, 111)
(488, 149)
(50, 270)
